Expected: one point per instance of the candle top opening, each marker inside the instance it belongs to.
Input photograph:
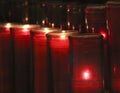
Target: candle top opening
(86, 35)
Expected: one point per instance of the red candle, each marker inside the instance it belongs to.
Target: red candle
(95, 18)
(96, 23)
(20, 37)
(41, 77)
(113, 14)
(6, 64)
(58, 44)
(87, 57)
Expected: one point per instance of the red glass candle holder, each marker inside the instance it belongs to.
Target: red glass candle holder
(20, 38)
(58, 44)
(113, 14)
(6, 64)
(88, 65)
(41, 71)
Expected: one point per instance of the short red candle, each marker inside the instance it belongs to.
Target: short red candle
(58, 44)
(113, 16)
(20, 37)
(6, 64)
(41, 71)
(87, 57)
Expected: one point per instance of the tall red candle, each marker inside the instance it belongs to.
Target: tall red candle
(58, 44)
(41, 71)
(21, 56)
(113, 14)
(87, 57)
(6, 64)
(95, 16)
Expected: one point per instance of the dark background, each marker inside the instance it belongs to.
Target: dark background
(18, 10)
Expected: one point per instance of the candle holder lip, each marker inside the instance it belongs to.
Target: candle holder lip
(86, 35)
(97, 8)
(57, 34)
(26, 26)
(113, 3)
(8, 25)
(44, 28)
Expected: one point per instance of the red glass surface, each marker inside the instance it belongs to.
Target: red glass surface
(40, 60)
(58, 44)
(87, 56)
(21, 50)
(113, 14)
(6, 64)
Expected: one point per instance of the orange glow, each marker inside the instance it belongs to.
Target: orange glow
(8, 25)
(63, 37)
(46, 30)
(86, 75)
(68, 23)
(53, 25)
(43, 22)
(25, 28)
(103, 33)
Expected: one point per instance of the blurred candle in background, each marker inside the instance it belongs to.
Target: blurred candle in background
(6, 64)
(58, 44)
(87, 57)
(41, 68)
(95, 17)
(75, 16)
(113, 16)
(20, 37)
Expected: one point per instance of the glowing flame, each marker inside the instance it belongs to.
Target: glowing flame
(63, 31)
(86, 75)
(46, 30)
(25, 27)
(68, 23)
(43, 22)
(8, 25)
(63, 37)
(53, 25)
(103, 34)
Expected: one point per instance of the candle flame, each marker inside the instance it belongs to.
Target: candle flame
(8, 25)
(86, 75)
(25, 27)
(63, 37)
(46, 30)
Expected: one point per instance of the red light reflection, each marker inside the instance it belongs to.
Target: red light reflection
(86, 75)
(103, 33)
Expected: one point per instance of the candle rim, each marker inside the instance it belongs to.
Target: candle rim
(58, 33)
(42, 29)
(86, 35)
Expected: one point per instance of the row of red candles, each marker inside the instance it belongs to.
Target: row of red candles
(29, 63)
(84, 72)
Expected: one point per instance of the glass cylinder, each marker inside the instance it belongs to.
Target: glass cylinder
(87, 57)
(41, 68)
(58, 45)
(20, 38)
(113, 14)
(6, 64)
